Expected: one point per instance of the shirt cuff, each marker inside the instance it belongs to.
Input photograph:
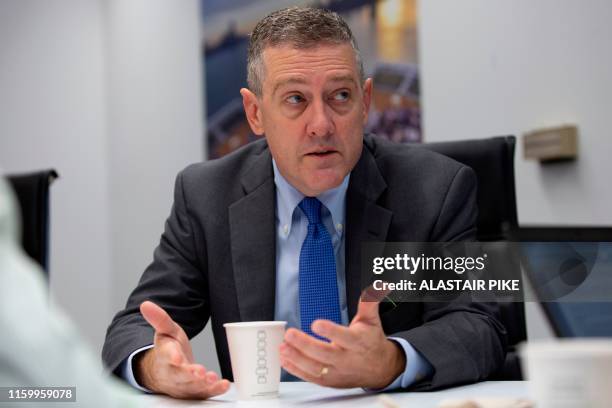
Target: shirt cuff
(417, 367)
(127, 371)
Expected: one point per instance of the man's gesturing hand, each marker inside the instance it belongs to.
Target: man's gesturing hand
(357, 356)
(168, 367)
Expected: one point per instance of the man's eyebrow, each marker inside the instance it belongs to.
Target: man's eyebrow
(343, 78)
(288, 81)
(301, 81)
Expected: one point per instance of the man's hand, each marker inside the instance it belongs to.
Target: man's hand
(168, 367)
(357, 356)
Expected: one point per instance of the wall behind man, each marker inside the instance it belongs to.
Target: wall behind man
(155, 130)
(506, 67)
(109, 93)
(53, 109)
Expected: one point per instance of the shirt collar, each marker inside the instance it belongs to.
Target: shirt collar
(288, 198)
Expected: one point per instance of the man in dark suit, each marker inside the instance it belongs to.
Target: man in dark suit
(231, 246)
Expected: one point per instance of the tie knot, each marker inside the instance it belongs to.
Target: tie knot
(312, 209)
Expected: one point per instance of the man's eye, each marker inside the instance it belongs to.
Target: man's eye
(294, 99)
(341, 96)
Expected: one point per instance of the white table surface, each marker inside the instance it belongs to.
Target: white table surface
(301, 394)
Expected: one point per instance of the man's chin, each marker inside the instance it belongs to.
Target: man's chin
(322, 181)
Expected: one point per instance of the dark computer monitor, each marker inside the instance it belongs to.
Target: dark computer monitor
(570, 270)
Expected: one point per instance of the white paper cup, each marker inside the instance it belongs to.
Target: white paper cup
(569, 373)
(254, 352)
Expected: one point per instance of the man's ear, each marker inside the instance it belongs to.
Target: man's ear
(367, 98)
(252, 111)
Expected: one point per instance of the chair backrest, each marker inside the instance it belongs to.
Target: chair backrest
(492, 160)
(32, 191)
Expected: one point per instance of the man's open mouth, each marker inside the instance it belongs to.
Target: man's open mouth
(322, 153)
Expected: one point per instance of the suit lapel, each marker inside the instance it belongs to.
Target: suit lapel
(366, 221)
(253, 241)
(253, 238)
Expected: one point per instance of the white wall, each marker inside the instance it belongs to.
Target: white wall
(155, 117)
(110, 94)
(155, 128)
(53, 102)
(507, 67)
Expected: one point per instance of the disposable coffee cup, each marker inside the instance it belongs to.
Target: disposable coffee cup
(574, 373)
(254, 353)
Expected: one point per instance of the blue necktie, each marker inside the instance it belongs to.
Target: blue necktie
(318, 284)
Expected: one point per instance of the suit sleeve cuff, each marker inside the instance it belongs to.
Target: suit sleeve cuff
(417, 367)
(127, 371)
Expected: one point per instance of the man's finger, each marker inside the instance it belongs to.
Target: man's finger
(339, 335)
(296, 371)
(175, 356)
(300, 365)
(159, 319)
(370, 294)
(201, 388)
(211, 377)
(367, 309)
(172, 351)
(199, 371)
(186, 374)
(311, 347)
(219, 387)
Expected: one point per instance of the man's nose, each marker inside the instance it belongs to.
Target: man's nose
(320, 122)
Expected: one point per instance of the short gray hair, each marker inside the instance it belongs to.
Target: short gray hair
(300, 27)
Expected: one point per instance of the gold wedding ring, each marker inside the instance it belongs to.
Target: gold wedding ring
(324, 370)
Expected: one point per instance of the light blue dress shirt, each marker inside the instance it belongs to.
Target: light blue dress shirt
(291, 229)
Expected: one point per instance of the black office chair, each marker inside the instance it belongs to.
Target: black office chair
(32, 191)
(493, 161)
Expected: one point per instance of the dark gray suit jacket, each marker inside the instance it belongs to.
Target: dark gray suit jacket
(216, 258)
